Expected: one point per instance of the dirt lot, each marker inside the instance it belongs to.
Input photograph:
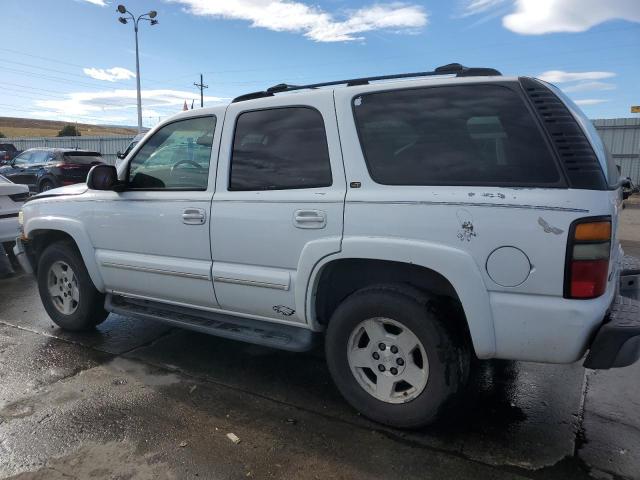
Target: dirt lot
(27, 127)
(139, 400)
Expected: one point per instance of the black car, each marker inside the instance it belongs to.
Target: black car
(7, 152)
(46, 168)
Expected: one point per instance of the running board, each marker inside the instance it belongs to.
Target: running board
(268, 334)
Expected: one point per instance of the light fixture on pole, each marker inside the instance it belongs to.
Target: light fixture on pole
(149, 17)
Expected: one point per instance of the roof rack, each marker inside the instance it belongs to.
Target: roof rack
(451, 69)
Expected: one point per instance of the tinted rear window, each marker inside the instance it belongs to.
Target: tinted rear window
(458, 135)
(82, 157)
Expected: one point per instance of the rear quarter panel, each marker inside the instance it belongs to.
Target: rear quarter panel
(476, 221)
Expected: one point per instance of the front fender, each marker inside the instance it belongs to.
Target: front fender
(457, 266)
(76, 230)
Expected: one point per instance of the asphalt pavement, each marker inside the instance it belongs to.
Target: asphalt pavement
(139, 400)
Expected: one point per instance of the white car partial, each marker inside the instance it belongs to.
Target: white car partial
(12, 196)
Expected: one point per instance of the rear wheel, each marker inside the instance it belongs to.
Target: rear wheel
(66, 290)
(394, 357)
(46, 185)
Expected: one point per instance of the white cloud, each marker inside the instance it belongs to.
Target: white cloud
(560, 76)
(588, 86)
(110, 74)
(101, 3)
(590, 101)
(475, 7)
(312, 21)
(110, 103)
(536, 17)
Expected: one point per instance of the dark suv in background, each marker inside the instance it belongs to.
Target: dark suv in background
(7, 152)
(46, 168)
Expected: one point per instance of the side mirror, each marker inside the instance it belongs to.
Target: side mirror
(120, 155)
(102, 177)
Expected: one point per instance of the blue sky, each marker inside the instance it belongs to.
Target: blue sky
(72, 60)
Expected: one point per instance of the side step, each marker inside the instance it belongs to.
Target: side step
(274, 335)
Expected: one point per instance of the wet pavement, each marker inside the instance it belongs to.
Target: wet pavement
(139, 400)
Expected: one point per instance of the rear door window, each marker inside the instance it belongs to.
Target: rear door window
(457, 135)
(279, 149)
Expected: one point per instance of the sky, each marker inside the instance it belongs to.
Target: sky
(72, 60)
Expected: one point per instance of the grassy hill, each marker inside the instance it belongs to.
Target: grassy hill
(28, 127)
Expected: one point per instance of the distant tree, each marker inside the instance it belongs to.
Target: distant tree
(2, 135)
(69, 131)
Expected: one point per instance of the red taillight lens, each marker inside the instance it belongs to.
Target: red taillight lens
(588, 278)
(588, 258)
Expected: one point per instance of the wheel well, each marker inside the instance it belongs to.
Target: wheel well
(41, 239)
(341, 278)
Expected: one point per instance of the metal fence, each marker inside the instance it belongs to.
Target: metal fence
(108, 146)
(622, 138)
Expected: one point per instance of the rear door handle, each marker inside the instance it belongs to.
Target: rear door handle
(194, 216)
(310, 219)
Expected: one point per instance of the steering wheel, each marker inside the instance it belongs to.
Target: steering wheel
(185, 162)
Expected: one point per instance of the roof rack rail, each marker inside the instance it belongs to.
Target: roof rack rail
(451, 69)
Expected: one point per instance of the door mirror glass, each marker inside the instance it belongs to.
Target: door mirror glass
(102, 177)
(120, 155)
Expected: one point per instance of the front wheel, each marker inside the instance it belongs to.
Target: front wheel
(66, 290)
(394, 357)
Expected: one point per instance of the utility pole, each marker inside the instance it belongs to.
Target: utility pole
(201, 86)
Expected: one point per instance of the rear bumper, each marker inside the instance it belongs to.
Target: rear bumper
(617, 342)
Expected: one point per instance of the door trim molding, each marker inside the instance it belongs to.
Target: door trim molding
(251, 283)
(123, 266)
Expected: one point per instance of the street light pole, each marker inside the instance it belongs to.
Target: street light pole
(138, 82)
(150, 17)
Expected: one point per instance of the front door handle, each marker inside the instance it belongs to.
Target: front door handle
(310, 219)
(194, 216)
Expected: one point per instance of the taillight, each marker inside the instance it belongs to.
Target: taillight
(588, 249)
(69, 166)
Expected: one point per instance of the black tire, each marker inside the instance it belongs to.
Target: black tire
(89, 309)
(45, 185)
(447, 351)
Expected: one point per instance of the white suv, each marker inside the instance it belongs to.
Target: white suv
(412, 224)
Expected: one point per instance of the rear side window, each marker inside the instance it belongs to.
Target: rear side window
(85, 158)
(458, 135)
(281, 148)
